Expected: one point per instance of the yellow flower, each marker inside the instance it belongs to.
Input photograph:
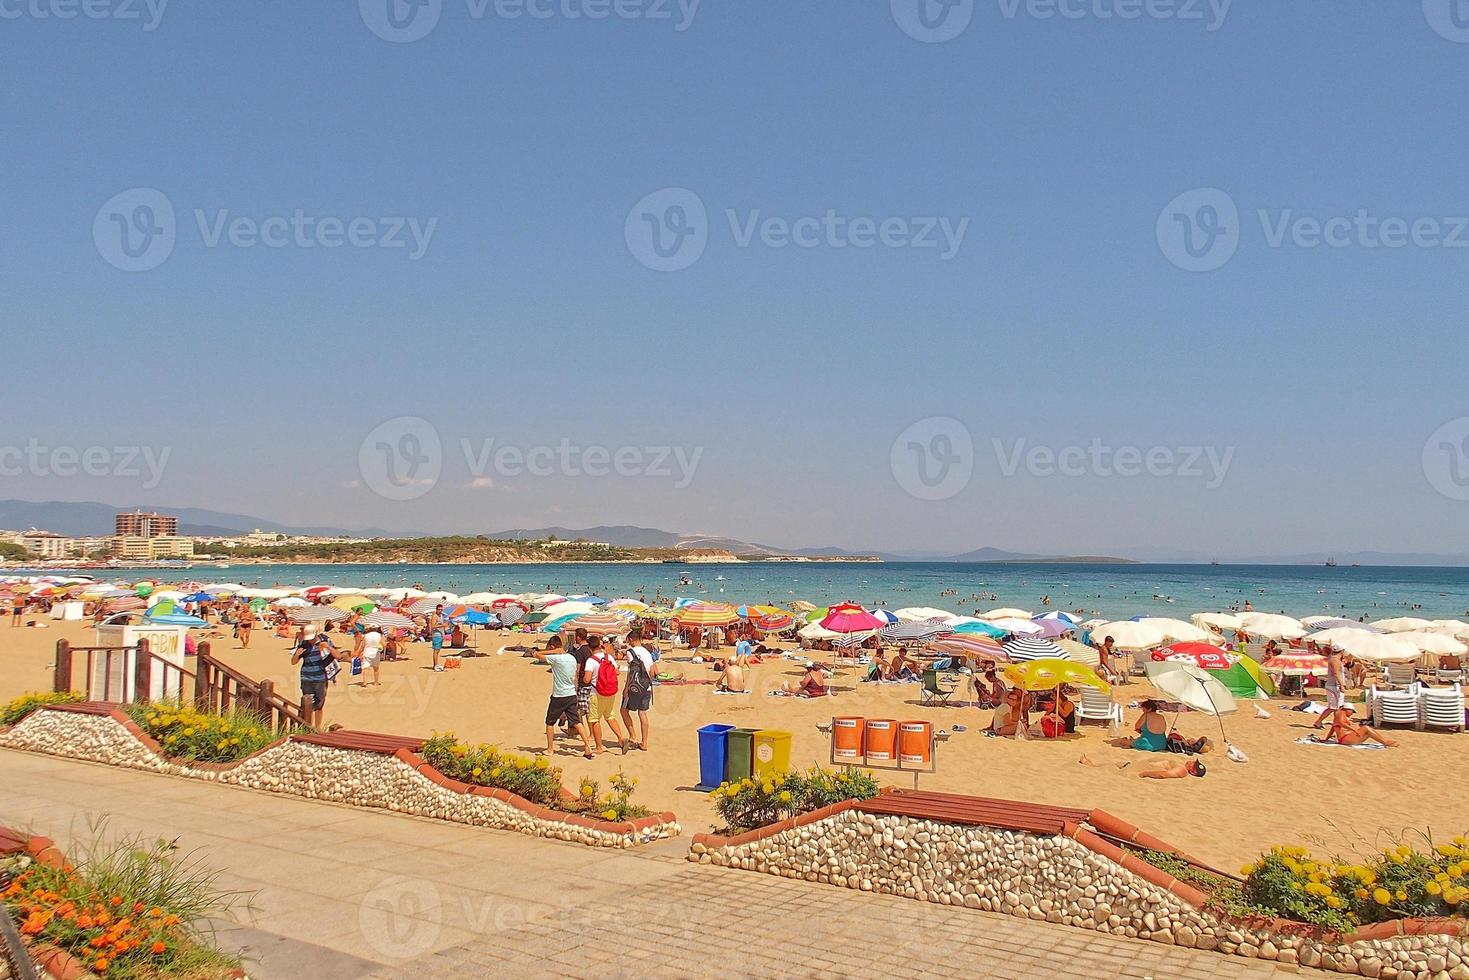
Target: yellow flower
(1381, 896)
(785, 796)
(1361, 893)
(1247, 870)
(767, 789)
(1433, 888)
(476, 771)
(609, 814)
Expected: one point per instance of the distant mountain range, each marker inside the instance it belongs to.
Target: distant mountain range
(90, 518)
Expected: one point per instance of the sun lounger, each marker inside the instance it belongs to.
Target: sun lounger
(1096, 705)
(1401, 675)
(1449, 676)
(1442, 707)
(1391, 707)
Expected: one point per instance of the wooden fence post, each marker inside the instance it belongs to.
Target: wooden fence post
(61, 678)
(203, 671)
(265, 701)
(142, 675)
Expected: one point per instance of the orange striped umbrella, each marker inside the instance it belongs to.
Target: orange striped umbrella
(702, 614)
(597, 624)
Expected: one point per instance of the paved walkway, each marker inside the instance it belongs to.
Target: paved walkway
(341, 893)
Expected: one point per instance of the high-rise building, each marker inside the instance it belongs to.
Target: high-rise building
(141, 524)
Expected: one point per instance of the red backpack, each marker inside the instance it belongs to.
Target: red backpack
(606, 676)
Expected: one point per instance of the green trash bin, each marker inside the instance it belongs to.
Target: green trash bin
(739, 754)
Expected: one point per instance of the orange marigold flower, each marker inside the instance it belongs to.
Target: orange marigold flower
(116, 900)
(101, 964)
(159, 947)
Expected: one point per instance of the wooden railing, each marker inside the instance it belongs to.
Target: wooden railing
(211, 686)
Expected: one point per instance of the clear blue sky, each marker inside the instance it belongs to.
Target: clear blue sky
(528, 319)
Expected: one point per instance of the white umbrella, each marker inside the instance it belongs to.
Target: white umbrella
(1127, 635)
(1020, 627)
(1436, 643)
(397, 594)
(1376, 647)
(815, 631)
(290, 602)
(1007, 612)
(1272, 626)
(386, 620)
(1191, 686)
(918, 614)
(1080, 652)
(1178, 631)
(1217, 621)
(1452, 627)
(1403, 624)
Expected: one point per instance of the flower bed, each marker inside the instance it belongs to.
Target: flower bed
(352, 768)
(750, 804)
(129, 909)
(187, 734)
(17, 709)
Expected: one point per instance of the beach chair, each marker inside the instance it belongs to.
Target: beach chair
(1095, 705)
(1454, 677)
(1401, 675)
(1392, 707)
(1442, 707)
(936, 690)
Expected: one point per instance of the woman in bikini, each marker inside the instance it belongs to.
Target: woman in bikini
(1345, 731)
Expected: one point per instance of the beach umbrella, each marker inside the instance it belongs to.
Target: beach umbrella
(707, 614)
(887, 618)
(1201, 655)
(1131, 636)
(1403, 624)
(533, 618)
(1049, 673)
(144, 589)
(387, 620)
(1064, 617)
(596, 624)
(656, 613)
(912, 632)
(506, 602)
(199, 597)
(1194, 688)
(918, 614)
(1451, 627)
(1052, 628)
(547, 599)
(851, 618)
(1024, 648)
(292, 602)
(1336, 622)
(773, 623)
(801, 606)
(1178, 630)
(1271, 626)
(1018, 627)
(979, 627)
(1435, 643)
(817, 615)
(398, 595)
(1080, 652)
(968, 646)
(632, 605)
(1006, 612)
(1296, 663)
(317, 591)
(1217, 621)
(318, 614)
(354, 603)
(1374, 647)
(173, 619)
(259, 603)
(424, 606)
(815, 631)
(126, 604)
(510, 615)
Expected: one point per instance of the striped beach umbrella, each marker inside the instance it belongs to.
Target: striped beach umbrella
(971, 647)
(1336, 622)
(912, 632)
(773, 623)
(705, 614)
(1296, 663)
(1021, 649)
(318, 614)
(597, 624)
(510, 615)
(125, 604)
(386, 620)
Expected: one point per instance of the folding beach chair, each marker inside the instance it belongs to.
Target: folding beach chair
(936, 691)
(1096, 705)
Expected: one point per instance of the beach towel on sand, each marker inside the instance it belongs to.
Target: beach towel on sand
(1308, 740)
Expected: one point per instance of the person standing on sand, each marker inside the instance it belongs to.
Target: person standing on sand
(601, 674)
(637, 695)
(314, 654)
(582, 651)
(1333, 683)
(370, 649)
(244, 625)
(563, 706)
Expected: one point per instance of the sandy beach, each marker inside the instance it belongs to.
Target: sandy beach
(1337, 799)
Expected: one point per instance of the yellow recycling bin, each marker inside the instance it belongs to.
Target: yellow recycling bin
(772, 753)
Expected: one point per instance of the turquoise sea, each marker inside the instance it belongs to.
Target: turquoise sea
(1113, 591)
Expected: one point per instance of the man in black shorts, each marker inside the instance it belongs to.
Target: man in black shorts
(564, 705)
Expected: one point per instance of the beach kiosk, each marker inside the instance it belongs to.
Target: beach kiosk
(164, 642)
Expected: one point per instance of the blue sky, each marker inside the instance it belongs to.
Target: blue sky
(524, 142)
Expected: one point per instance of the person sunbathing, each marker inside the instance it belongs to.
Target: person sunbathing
(1009, 716)
(732, 680)
(811, 685)
(881, 669)
(1151, 728)
(903, 667)
(1174, 770)
(1346, 731)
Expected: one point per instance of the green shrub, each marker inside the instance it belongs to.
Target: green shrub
(532, 778)
(616, 805)
(752, 803)
(26, 703)
(187, 733)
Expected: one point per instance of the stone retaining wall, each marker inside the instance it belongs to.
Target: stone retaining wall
(400, 782)
(1072, 880)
